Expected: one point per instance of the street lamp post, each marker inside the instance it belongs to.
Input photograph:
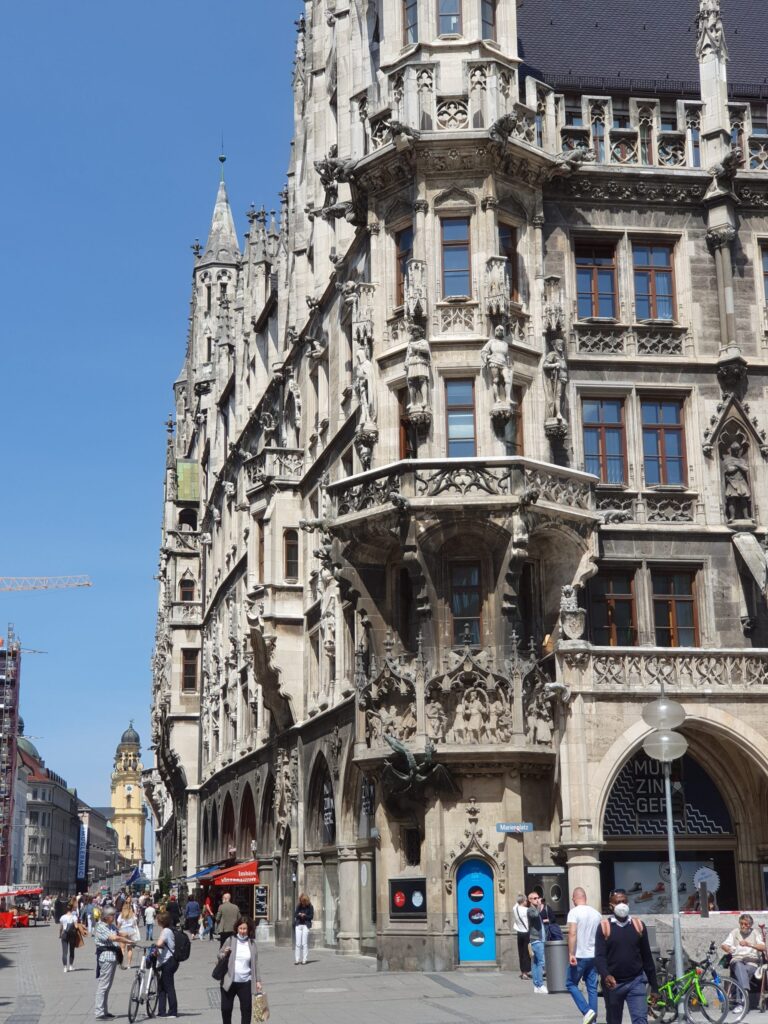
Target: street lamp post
(666, 745)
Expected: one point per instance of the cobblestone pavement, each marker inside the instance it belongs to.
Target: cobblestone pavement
(331, 988)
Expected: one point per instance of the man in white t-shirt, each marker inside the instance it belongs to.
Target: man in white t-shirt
(583, 922)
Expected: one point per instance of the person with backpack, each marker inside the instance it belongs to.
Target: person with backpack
(167, 966)
(68, 934)
(624, 962)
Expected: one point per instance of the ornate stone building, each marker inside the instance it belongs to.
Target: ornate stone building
(127, 798)
(468, 458)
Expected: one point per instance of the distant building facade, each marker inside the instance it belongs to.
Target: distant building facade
(99, 858)
(469, 458)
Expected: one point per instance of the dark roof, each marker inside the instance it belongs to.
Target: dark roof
(130, 736)
(604, 46)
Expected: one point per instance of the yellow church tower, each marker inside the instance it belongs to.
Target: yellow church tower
(127, 805)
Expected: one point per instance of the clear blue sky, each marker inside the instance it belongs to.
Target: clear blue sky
(112, 118)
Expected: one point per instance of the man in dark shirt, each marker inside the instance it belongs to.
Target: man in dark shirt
(624, 962)
(174, 910)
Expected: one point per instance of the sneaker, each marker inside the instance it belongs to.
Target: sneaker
(589, 1017)
(541, 990)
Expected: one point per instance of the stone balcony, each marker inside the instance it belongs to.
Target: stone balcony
(435, 485)
(281, 467)
(187, 614)
(610, 671)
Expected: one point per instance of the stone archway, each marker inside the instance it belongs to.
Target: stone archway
(213, 850)
(246, 833)
(228, 832)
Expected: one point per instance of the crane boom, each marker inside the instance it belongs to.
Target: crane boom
(43, 582)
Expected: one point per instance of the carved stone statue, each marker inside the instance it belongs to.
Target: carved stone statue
(474, 717)
(738, 492)
(555, 369)
(572, 618)
(437, 721)
(709, 25)
(417, 369)
(495, 355)
(539, 721)
(332, 169)
(364, 382)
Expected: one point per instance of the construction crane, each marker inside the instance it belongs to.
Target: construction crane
(10, 662)
(43, 582)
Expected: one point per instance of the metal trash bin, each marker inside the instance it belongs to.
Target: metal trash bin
(556, 964)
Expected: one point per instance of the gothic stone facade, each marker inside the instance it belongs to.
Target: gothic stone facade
(469, 456)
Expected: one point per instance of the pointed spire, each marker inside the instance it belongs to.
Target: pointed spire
(221, 246)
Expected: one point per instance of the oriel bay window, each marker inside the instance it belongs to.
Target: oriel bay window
(663, 441)
(674, 609)
(404, 250)
(460, 416)
(654, 281)
(456, 257)
(612, 609)
(604, 441)
(466, 602)
(449, 17)
(186, 589)
(596, 280)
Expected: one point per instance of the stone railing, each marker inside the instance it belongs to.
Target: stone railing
(605, 337)
(274, 465)
(680, 669)
(456, 481)
(667, 507)
(185, 613)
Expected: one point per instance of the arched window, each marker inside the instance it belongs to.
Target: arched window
(187, 520)
(291, 556)
(187, 589)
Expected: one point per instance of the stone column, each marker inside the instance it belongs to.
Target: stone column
(719, 239)
(583, 865)
(349, 904)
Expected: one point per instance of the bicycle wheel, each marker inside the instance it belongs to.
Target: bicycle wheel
(152, 994)
(738, 1000)
(134, 998)
(705, 1002)
(665, 1008)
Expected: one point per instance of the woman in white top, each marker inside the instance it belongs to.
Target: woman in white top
(520, 921)
(128, 927)
(242, 975)
(68, 934)
(167, 965)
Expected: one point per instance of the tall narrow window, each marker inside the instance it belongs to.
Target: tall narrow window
(466, 602)
(189, 660)
(596, 280)
(693, 125)
(410, 22)
(764, 261)
(291, 555)
(260, 549)
(456, 261)
(187, 590)
(612, 609)
(208, 298)
(488, 17)
(645, 125)
(654, 282)
(663, 441)
(508, 248)
(674, 609)
(737, 133)
(597, 115)
(517, 446)
(404, 249)
(460, 415)
(449, 17)
(604, 449)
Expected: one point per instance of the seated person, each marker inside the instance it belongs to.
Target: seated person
(746, 947)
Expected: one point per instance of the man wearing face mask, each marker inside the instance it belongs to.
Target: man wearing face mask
(624, 962)
(746, 947)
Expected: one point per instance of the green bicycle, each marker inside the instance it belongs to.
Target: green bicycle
(701, 1000)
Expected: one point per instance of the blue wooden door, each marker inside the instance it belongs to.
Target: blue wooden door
(475, 907)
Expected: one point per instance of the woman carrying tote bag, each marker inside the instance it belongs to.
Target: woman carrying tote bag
(242, 979)
(520, 921)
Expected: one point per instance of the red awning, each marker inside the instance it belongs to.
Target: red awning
(238, 874)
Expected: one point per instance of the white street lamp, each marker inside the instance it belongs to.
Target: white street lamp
(666, 745)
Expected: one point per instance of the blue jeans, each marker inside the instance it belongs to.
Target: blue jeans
(633, 994)
(537, 963)
(150, 932)
(584, 969)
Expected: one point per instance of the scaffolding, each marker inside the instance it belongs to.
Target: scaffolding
(10, 664)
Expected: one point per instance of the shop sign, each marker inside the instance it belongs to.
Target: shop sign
(408, 899)
(515, 827)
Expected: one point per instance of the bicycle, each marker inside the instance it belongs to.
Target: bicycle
(736, 998)
(144, 988)
(702, 1000)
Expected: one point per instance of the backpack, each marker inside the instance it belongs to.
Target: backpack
(181, 947)
(605, 924)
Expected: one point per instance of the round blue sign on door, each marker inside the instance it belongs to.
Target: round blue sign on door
(476, 915)
(476, 938)
(476, 893)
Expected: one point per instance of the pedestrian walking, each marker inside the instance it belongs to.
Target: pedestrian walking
(46, 908)
(174, 910)
(191, 916)
(583, 922)
(227, 917)
(69, 935)
(242, 978)
(109, 946)
(206, 923)
(624, 962)
(60, 907)
(536, 938)
(520, 922)
(167, 965)
(302, 922)
(86, 913)
(128, 927)
(149, 921)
